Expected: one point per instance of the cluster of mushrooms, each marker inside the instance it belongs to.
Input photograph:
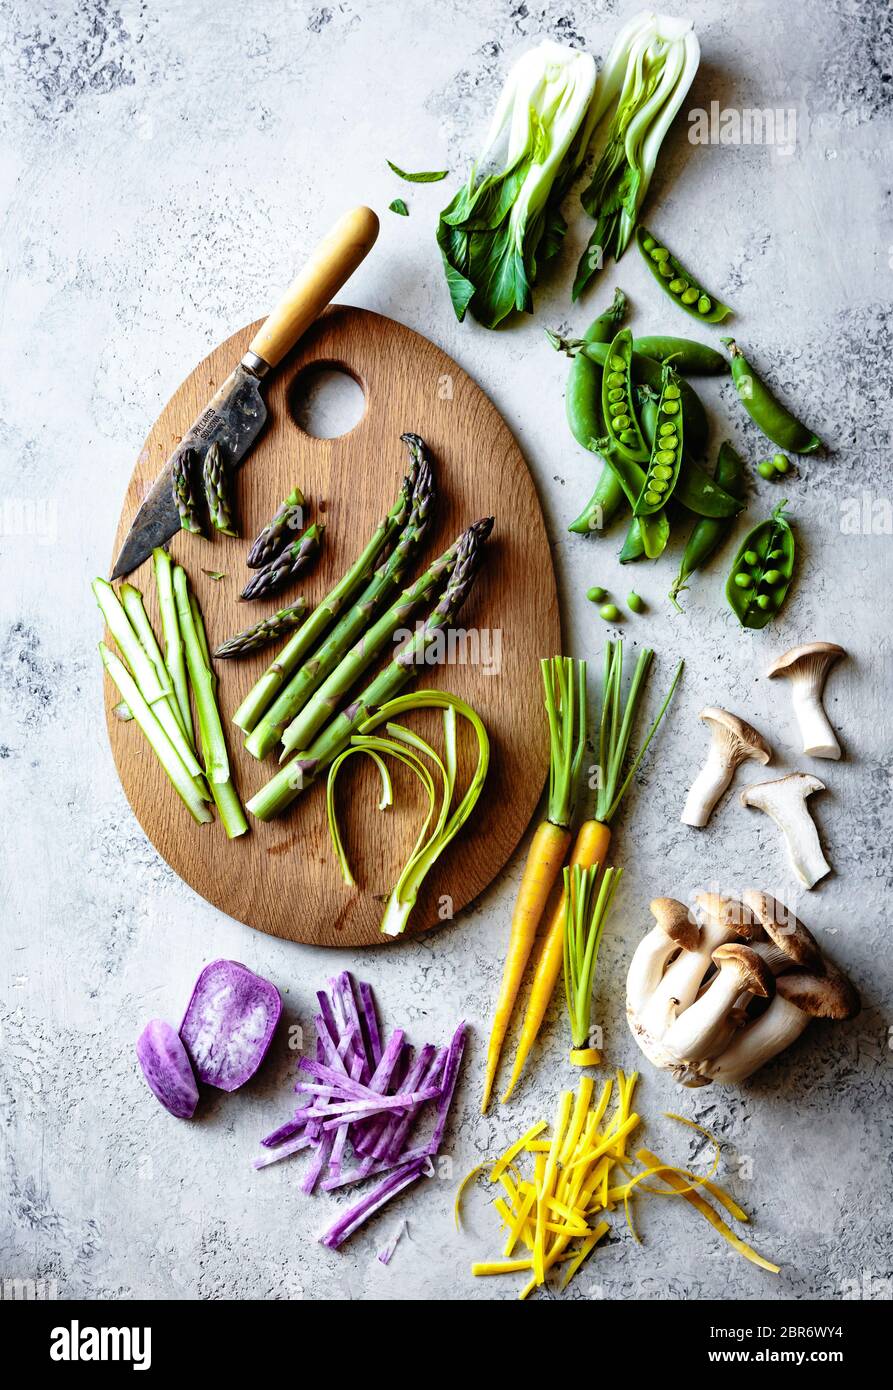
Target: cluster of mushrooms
(715, 1000)
(733, 741)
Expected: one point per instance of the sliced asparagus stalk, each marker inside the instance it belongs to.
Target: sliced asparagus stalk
(226, 798)
(218, 491)
(264, 632)
(292, 779)
(132, 602)
(305, 639)
(123, 712)
(286, 566)
(202, 682)
(182, 476)
(384, 583)
(173, 656)
(144, 673)
(145, 716)
(277, 532)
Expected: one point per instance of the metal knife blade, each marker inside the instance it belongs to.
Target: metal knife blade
(233, 418)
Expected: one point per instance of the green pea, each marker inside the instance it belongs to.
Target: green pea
(666, 269)
(616, 393)
(651, 496)
(672, 392)
(617, 364)
(660, 253)
(764, 601)
(667, 428)
(677, 285)
(621, 422)
(610, 612)
(617, 407)
(649, 243)
(665, 456)
(616, 379)
(766, 470)
(771, 576)
(705, 304)
(658, 485)
(781, 463)
(596, 594)
(750, 557)
(690, 295)
(635, 602)
(662, 471)
(628, 437)
(742, 580)
(670, 407)
(669, 441)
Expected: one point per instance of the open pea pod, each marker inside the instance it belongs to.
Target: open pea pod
(653, 529)
(678, 282)
(702, 494)
(764, 567)
(666, 448)
(618, 402)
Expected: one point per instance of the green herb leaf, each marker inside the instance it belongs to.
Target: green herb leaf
(399, 207)
(214, 574)
(434, 176)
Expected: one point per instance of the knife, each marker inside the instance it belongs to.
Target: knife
(236, 413)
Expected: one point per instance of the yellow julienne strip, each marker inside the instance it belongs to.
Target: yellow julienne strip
(581, 1108)
(502, 1163)
(572, 1232)
(460, 1189)
(506, 1214)
(585, 1249)
(518, 1228)
(601, 1107)
(559, 1126)
(674, 1180)
(609, 1142)
(539, 1146)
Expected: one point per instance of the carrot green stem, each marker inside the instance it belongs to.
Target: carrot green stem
(584, 924)
(564, 681)
(616, 726)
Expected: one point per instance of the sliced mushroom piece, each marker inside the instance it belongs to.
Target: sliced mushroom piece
(785, 801)
(723, 920)
(800, 996)
(732, 741)
(703, 1030)
(675, 930)
(788, 943)
(806, 668)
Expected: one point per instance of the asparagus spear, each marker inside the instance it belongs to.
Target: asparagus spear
(182, 475)
(292, 779)
(144, 674)
(218, 494)
(226, 798)
(267, 630)
(292, 562)
(304, 640)
(132, 602)
(173, 656)
(273, 537)
(145, 716)
(202, 682)
(384, 583)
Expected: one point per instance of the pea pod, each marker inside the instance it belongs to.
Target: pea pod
(666, 449)
(761, 575)
(702, 494)
(633, 545)
(654, 529)
(583, 405)
(689, 358)
(709, 533)
(618, 403)
(677, 282)
(647, 371)
(766, 410)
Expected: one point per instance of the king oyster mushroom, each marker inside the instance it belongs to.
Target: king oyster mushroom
(707, 1026)
(732, 741)
(785, 801)
(800, 995)
(675, 931)
(806, 668)
(787, 943)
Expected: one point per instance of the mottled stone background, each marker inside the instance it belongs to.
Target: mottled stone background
(165, 166)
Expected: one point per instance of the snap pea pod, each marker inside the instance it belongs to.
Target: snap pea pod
(694, 488)
(654, 528)
(766, 410)
(709, 533)
(583, 405)
(689, 358)
(618, 403)
(633, 545)
(678, 282)
(666, 449)
(646, 371)
(761, 575)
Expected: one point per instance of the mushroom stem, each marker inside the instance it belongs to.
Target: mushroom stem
(731, 742)
(705, 1029)
(771, 1033)
(709, 785)
(785, 801)
(819, 739)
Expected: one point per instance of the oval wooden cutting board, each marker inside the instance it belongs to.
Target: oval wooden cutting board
(282, 877)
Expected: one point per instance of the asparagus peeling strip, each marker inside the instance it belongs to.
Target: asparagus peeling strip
(292, 779)
(173, 656)
(384, 582)
(226, 798)
(143, 713)
(303, 641)
(262, 633)
(202, 682)
(132, 603)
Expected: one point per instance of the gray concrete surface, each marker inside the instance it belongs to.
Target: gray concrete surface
(164, 168)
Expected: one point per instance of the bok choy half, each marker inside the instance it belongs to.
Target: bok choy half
(647, 73)
(506, 220)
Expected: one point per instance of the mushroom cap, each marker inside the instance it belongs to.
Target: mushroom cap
(739, 739)
(729, 912)
(821, 996)
(785, 930)
(823, 654)
(754, 973)
(676, 921)
(797, 784)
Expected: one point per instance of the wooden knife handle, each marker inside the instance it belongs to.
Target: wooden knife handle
(332, 263)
